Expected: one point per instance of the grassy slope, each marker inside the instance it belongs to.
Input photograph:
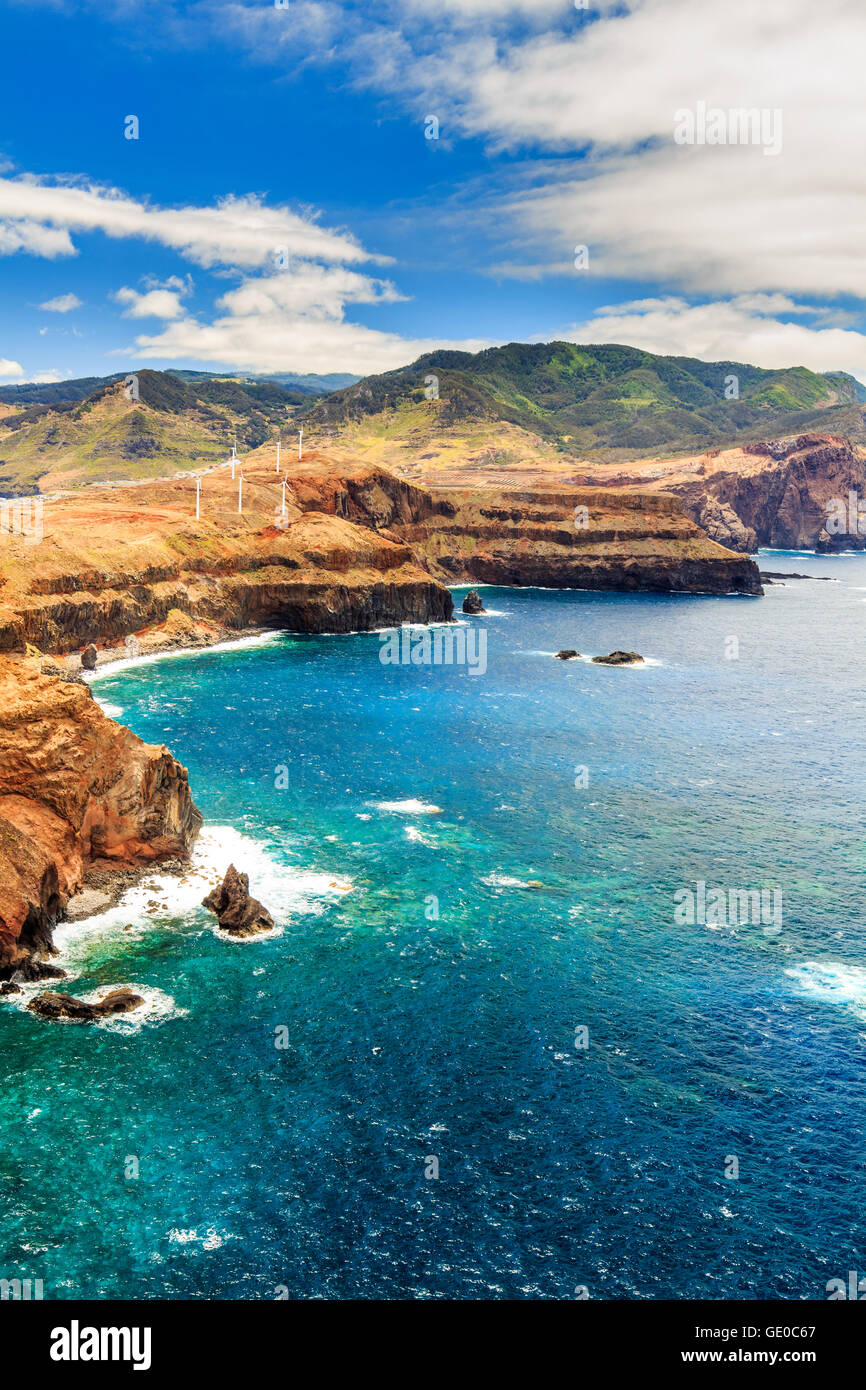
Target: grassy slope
(595, 400)
(172, 426)
(496, 411)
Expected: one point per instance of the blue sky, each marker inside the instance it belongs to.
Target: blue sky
(282, 208)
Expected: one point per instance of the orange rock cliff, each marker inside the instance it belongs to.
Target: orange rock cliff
(338, 549)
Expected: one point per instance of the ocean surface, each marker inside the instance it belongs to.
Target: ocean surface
(483, 1056)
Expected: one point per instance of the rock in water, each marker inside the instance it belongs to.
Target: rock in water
(237, 912)
(88, 657)
(119, 1001)
(31, 970)
(567, 654)
(472, 603)
(619, 659)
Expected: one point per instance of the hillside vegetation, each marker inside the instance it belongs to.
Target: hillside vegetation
(156, 426)
(607, 399)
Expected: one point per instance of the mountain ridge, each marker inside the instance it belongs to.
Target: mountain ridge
(597, 399)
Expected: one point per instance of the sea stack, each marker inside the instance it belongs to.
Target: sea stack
(237, 912)
(119, 1001)
(619, 659)
(472, 603)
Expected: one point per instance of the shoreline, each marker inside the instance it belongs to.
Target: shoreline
(114, 659)
(111, 660)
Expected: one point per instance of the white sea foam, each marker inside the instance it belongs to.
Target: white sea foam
(422, 627)
(506, 881)
(285, 890)
(209, 1239)
(157, 1007)
(418, 837)
(113, 711)
(125, 663)
(410, 807)
(833, 981)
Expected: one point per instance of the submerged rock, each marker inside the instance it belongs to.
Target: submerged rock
(768, 576)
(619, 659)
(237, 912)
(567, 654)
(31, 970)
(119, 1001)
(472, 603)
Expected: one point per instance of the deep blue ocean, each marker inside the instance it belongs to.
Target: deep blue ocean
(456, 901)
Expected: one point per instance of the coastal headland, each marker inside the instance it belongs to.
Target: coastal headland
(131, 569)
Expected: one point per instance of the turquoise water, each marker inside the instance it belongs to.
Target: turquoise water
(411, 1037)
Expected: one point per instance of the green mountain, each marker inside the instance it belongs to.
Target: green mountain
(308, 384)
(78, 388)
(146, 424)
(600, 399)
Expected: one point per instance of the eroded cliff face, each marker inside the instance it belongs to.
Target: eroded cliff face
(555, 537)
(779, 493)
(113, 563)
(783, 493)
(579, 538)
(77, 792)
(354, 549)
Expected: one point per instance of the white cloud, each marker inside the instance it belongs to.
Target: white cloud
(61, 304)
(50, 375)
(293, 318)
(38, 216)
(743, 329)
(24, 234)
(9, 368)
(534, 77)
(156, 303)
(703, 220)
(293, 321)
(589, 104)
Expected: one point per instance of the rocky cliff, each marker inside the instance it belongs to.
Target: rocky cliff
(113, 562)
(555, 537)
(334, 550)
(356, 548)
(782, 493)
(790, 494)
(576, 538)
(77, 793)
